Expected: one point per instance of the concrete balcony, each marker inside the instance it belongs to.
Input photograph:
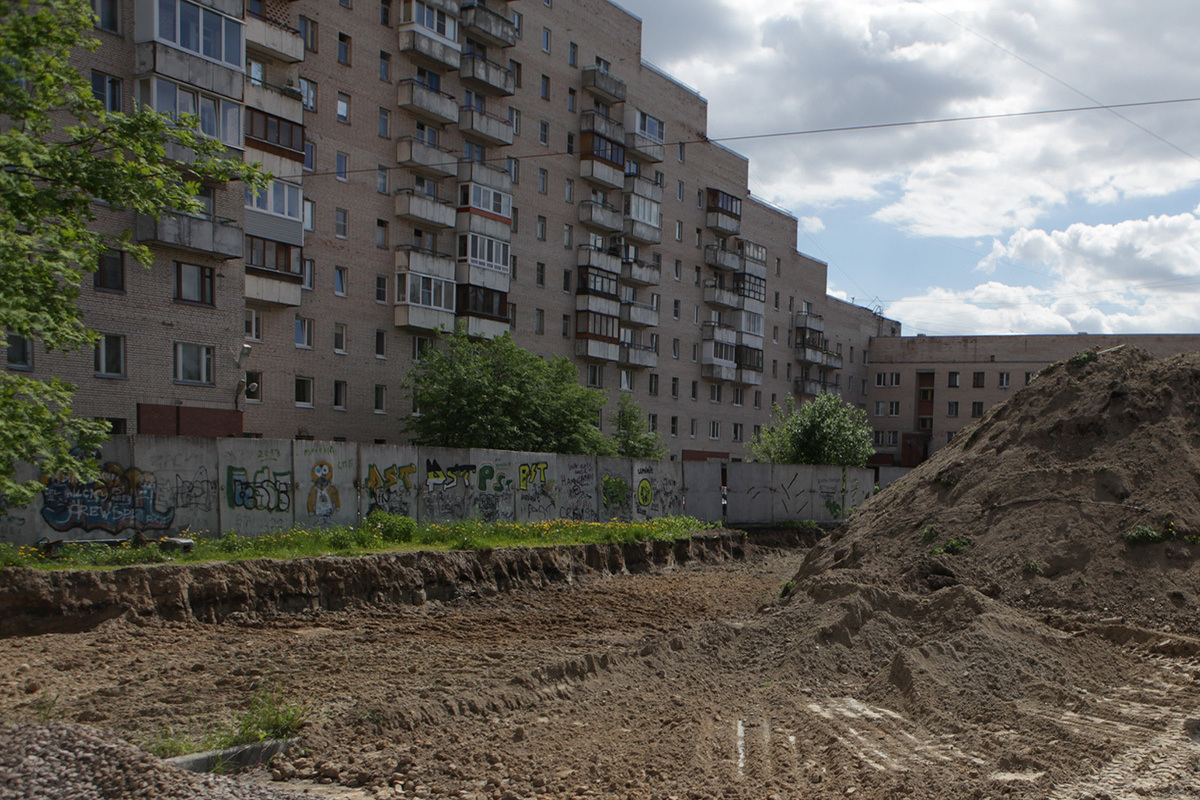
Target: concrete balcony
(639, 315)
(643, 187)
(282, 101)
(428, 104)
(598, 304)
(472, 221)
(638, 355)
(755, 268)
(486, 76)
(812, 387)
(717, 258)
(188, 68)
(607, 87)
(423, 210)
(604, 126)
(718, 370)
(421, 47)
(484, 327)
(210, 236)
(601, 173)
(423, 318)
(281, 43)
(487, 175)
(749, 377)
(832, 360)
(484, 25)
(809, 355)
(599, 259)
(481, 125)
(719, 296)
(639, 273)
(812, 322)
(426, 159)
(597, 349)
(642, 232)
(723, 223)
(641, 147)
(600, 215)
(716, 332)
(426, 262)
(273, 287)
(468, 274)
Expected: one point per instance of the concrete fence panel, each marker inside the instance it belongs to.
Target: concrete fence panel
(749, 493)
(327, 477)
(446, 477)
(657, 488)
(702, 490)
(388, 479)
(616, 488)
(258, 485)
(187, 480)
(538, 486)
(577, 488)
(493, 492)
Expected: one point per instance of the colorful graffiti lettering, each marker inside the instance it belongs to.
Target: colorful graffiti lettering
(528, 473)
(118, 499)
(389, 488)
(614, 491)
(436, 477)
(492, 480)
(267, 491)
(323, 496)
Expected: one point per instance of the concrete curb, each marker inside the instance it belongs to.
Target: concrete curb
(232, 758)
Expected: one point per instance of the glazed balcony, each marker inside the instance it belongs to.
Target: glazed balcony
(481, 23)
(600, 215)
(719, 258)
(482, 125)
(636, 354)
(486, 76)
(640, 273)
(204, 235)
(639, 315)
(425, 159)
(416, 43)
(428, 104)
(600, 84)
(641, 147)
(425, 211)
(597, 123)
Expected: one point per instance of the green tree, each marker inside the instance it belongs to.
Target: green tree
(61, 155)
(633, 435)
(825, 430)
(491, 393)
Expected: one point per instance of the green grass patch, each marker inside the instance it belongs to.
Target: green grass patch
(1143, 534)
(380, 532)
(269, 716)
(956, 546)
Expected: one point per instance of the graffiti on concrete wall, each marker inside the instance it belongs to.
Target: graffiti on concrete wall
(793, 495)
(614, 495)
(535, 500)
(391, 488)
(446, 490)
(323, 497)
(267, 490)
(656, 495)
(119, 499)
(577, 492)
(197, 492)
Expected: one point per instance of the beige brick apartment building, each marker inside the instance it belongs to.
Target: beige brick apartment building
(507, 166)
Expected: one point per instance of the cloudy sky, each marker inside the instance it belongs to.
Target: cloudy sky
(1057, 223)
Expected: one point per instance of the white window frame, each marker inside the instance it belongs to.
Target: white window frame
(205, 357)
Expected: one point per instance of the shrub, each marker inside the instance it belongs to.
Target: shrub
(392, 528)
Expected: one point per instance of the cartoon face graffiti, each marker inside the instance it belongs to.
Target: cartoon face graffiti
(323, 496)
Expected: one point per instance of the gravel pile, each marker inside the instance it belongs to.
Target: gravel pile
(59, 761)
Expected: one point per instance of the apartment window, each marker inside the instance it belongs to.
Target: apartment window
(309, 215)
(566, 281)
(381, 233)
(977, 409)
(893, 438)
(201, 31)
(381, 180)
(307, 270)
(978, 380)
(679, 190)
(341, 166)
(714, 429)
(545, 87)
(714, 393)
(894, 408)
(675, 311)
(758, 399)
(540, 228)
(19, 352)
(926, 395)
(880, 408)
(252, 386)
(340, 223)
(193, 284)
(595, 376)
(109, 355)
(308, 32)
(513, 167)
(626, 380)
(571, 97)
(381, 288)
(570, 144)
(380, 344)
(695, 390)
(385, 12)
(1004, 380)
(952, 408)
(544, 133)
(343, 108)
(539, 321)
(678, 230)
(679, 152)
(304, 333)
(343, 49)
(1029, 377)
(341, 277)
(304, 392)
(108, 14)
(739, 395)
(194, 363)
(952, 380)
(514, 119)
(339, 395)
(385, 65)
(543, 180)
(675, 347)
(110, 272)
(254, 324)
(569, 191)
(474, 152)
(339, 337)
(737, 431)
(380, 398)
(308, 94)
(545, 40)
(566, 326)
(107, 90)
(568, 235)
(310, 156)
(385, 123)
(431, 18)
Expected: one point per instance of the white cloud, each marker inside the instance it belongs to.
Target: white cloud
(811, 224)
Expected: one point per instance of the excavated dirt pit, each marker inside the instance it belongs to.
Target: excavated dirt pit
(982, 629)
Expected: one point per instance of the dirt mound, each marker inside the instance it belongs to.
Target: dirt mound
(1032, 504)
